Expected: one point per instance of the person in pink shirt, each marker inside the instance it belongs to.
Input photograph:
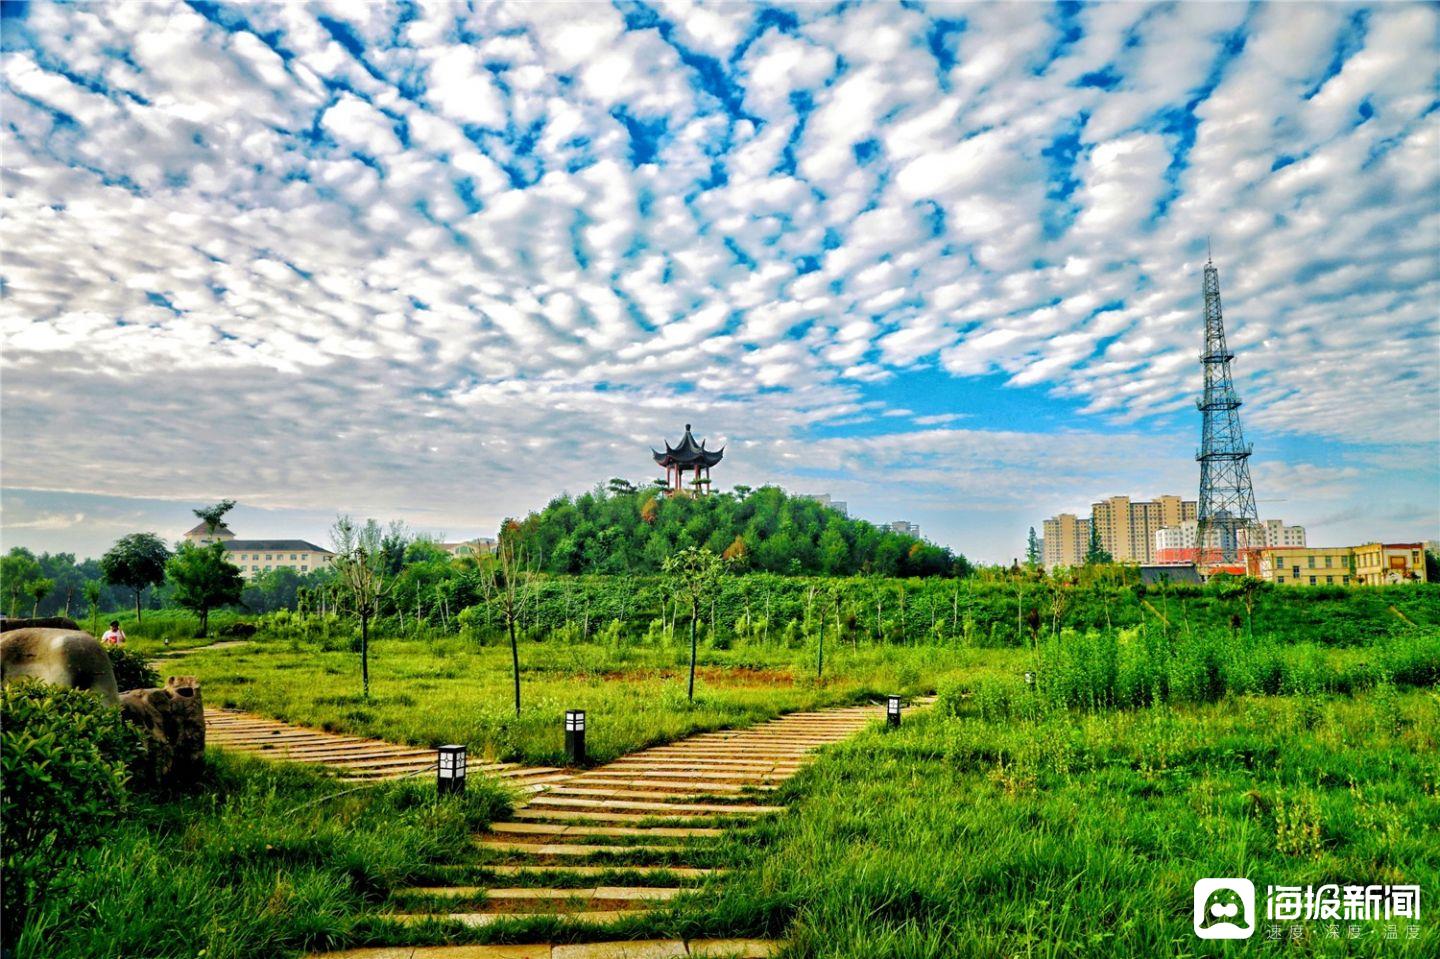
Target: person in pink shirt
(115, 636)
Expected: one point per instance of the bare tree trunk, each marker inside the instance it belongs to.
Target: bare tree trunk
(514, 661)
(137, 606)
(820, 652)
(694, 616)
(365, 652)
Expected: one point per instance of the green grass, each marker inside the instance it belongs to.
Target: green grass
(1071, 833)
(430, 692)
(258, 863)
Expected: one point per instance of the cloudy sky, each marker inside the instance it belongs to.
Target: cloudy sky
(437, 263)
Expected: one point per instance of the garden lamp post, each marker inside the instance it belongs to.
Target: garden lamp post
(575, 736)
(892, 710)
(450, 770)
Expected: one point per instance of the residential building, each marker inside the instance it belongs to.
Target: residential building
(824, 500)
(256, 556)
(1304, 565)
(905, 527)
(1371, 564)
(1127, 527)
(1066, 537)
(1179, 544)
(1380, 563)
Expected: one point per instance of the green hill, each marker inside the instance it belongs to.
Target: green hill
(623, 530)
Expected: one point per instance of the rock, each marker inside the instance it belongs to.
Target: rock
(64, 657)
(173, 720)
(49, 622)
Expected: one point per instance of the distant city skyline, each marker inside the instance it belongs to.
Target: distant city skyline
(943, 264)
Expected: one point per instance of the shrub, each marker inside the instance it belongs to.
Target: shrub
(64, 764)
(132, 671)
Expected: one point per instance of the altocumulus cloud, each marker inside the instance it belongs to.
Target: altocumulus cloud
(440, 262)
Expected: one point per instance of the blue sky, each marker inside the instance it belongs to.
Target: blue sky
(438, 264)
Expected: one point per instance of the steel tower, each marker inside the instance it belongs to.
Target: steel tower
(1227, 500)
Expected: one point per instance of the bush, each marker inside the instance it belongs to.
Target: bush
(132, 671)
(64, 763)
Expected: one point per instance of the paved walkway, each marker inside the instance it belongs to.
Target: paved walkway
(601, 845)
(354, 758)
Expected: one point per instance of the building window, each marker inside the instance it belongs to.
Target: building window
(1295, 571)
(1345, 580)
(292, 556)
(1329, 561)
(254, 569)
(1312, 580)
(1329, 580)
(1279, 579)
(1311, 561)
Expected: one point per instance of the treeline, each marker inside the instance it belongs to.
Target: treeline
(57, 584)
(620, 529)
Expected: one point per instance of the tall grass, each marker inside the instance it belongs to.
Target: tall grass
(1136, 667)
(1080, 834)
(258, 863)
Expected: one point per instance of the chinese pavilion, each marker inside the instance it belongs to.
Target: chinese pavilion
(691, 456)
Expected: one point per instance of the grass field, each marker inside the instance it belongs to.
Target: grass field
(430, 692)
(260, 864)
(1064, 817)
(1069, 833)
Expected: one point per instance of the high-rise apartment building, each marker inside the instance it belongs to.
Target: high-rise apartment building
(1066, 537)
(1127, 527)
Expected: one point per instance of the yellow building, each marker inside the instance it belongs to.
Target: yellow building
(1380, 563)
(1373, 564)
(1127, 529)
(1307, 565)
(257, 556)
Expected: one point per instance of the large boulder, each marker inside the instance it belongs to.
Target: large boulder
(8, 623)
(63, 657)
(173, 720)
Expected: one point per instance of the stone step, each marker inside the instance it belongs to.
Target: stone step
(671, 785)
(657, 808)
(546, 814)
(566, 789)
(615, 896)
(689, 776)
(481, 919)
(631, 872)
(571, 849)
(560, 829)
(628, 949)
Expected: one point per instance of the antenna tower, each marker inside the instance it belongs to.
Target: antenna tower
(1227, 499)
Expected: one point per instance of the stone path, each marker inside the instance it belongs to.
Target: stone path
(355, 758)
(601, 845)
(169, 654)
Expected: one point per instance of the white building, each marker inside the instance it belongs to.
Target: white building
(257, 556)
(824, 500)
(1175, 544)
(905, 527)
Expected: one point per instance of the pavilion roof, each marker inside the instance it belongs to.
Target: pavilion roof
(688, 453)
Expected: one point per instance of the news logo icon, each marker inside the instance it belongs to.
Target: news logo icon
(1224, 908)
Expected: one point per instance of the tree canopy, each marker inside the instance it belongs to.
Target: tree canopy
(135, 562)
(615, 530)
(203, 579)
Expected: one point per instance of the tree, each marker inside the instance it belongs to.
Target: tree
(692, 575)
(1032, 550)
(203, 580)
(18, 569)
(135, 562)
(214, 516)
(360, 566)
(93, 591)
(508, 581)
(38, 589)
(1095, 554)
